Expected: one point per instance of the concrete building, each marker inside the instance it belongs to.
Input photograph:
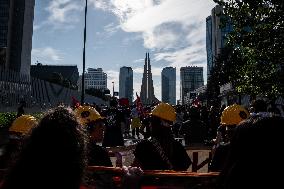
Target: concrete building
(191, 78)
(126, 83)
(216, 35)
(69, 73)
(16, 30)
(95, 78)
(169, 85)
(147, 90)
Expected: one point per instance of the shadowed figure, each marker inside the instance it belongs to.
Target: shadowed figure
(53, 156)
(161, 151)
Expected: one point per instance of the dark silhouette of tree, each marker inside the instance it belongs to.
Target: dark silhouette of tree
(222, 72)
(258, 45)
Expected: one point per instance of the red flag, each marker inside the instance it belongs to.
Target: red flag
(196, 102)
(75, 102)
(139, 105)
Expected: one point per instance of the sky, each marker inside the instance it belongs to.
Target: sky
(119, 33)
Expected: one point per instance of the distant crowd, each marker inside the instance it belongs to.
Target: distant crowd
(53, 152)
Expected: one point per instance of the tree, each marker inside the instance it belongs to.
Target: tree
(258, 48)
(222, 73)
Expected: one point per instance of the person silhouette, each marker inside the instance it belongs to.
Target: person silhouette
(161, 151)
(54, 155)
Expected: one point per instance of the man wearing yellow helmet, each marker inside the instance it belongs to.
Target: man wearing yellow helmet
(230, 118)
(20, 127)
(95, 126)
(161, 151)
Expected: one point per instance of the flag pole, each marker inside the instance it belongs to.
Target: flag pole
(84, 54)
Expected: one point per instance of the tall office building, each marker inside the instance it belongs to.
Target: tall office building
(216, 35)
(191, 78)
(147, 90)
(169, 85)
(126, 83)
(95, 78)
(16, 30)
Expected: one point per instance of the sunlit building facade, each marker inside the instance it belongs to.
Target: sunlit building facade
(95, 78)
(191, 78)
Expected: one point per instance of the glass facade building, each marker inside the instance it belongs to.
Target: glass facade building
(216, 35)
(169, 85)
(16, 30)
(126, 83)
(191, 78)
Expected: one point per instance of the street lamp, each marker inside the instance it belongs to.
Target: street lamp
(84, 53)
(113, 88)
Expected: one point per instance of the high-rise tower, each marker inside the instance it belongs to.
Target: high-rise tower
(216, 35)
(126, 83)
(191, 78)
(16, 30)
(147, 90)
(169, 85)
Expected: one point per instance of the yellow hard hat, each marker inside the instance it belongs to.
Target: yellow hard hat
(87, 114)
(164, 111)
(23, 124)
(234, 114)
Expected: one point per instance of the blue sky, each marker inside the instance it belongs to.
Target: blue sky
(119, 32)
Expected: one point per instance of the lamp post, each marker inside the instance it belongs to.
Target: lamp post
(84, 53)
(113, 88)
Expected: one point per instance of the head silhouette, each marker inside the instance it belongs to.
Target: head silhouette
(54, 155)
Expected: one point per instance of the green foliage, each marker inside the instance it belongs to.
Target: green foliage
(38, 116)
(6, 119)
(221, 74)
(257, 43)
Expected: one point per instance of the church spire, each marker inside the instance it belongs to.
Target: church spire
(147, 90)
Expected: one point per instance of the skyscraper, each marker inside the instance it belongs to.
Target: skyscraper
(209, 45)
(169, 85)
(191, 78)
(216, 35)
(126, 83)
(147, 90)
(16, 30)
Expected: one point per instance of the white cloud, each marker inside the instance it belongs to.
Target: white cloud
(63, 13)
(112, 76)
(111, 29)
(174, 30)
(165, 25)
(137, 81)
(190, 56)
(156, 71)
(166, 39)
(139, 60)
(47, 55)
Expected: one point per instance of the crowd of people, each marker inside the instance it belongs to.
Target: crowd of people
(53, 152)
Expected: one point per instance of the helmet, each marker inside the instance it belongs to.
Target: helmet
(233, 115)
(164, 111)
(87, 114)
(23, 124)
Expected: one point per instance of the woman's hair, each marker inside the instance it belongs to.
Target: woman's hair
(54, 155)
